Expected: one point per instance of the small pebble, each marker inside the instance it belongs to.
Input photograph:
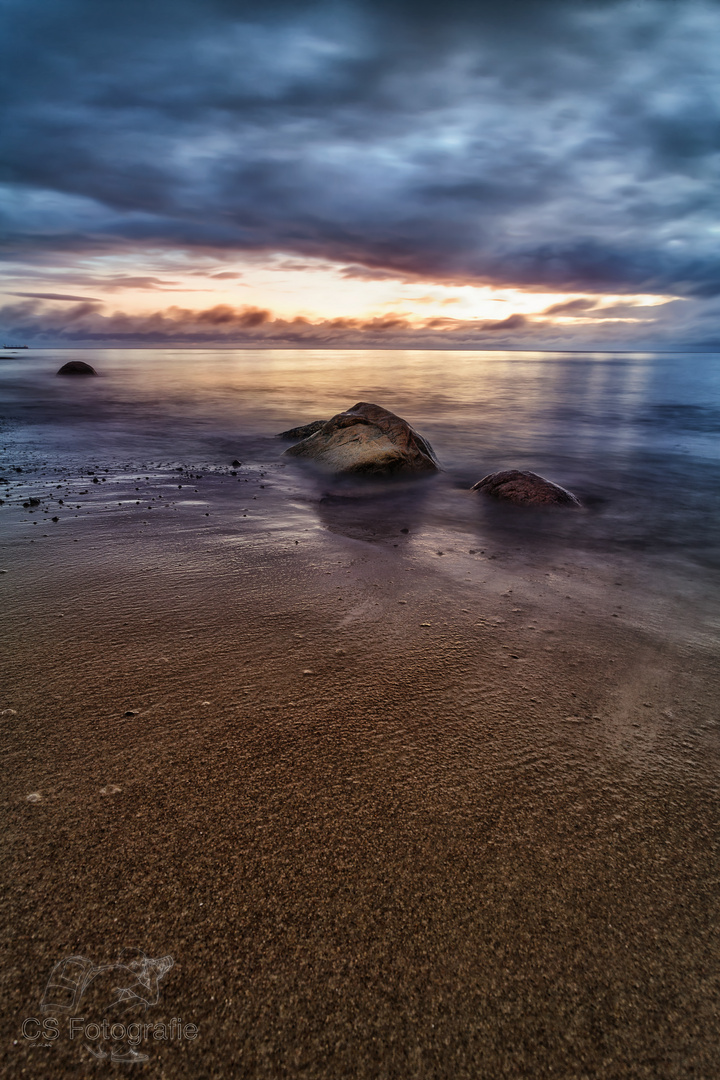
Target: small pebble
(308, 671)
(132, 712)
(110, 789)
(34, 796)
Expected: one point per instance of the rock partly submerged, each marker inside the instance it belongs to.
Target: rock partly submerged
(525, 489)
(77, 367)
(367, 440)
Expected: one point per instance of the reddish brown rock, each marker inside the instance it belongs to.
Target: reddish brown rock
(367, 439)
(525, 489)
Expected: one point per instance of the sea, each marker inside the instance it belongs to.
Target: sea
(633, 435)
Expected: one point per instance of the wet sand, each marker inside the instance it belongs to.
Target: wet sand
(393, 813)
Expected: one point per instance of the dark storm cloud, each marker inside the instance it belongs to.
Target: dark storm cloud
(546, 144)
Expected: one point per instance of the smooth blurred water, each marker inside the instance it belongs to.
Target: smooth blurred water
(635, 436)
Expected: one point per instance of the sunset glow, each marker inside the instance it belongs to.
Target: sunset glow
(315, 291)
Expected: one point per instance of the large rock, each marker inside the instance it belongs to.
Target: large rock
(77, 367)
(525, 489)
(367, 439)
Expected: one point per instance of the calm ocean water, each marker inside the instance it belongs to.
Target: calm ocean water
(635, 436)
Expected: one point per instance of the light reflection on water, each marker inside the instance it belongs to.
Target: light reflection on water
(635, 436)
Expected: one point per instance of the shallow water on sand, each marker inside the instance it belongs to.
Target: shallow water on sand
(635, 436)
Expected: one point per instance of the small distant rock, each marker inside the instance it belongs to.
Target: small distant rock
(525, 489)
(110, 789)
(236, 464)
(34, 797)
(77, 367)
(302, 432)
(132, 712)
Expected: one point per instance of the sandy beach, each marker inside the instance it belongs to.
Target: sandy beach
(395, 807)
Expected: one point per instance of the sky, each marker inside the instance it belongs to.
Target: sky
(380, 173)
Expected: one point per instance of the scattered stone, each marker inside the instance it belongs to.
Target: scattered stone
(236, 464)
(302, 432)
(367, 439)
(110, 789)
(77, 367)
(8, 712)
(525, 488)
(132, 712)
(34, 797)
